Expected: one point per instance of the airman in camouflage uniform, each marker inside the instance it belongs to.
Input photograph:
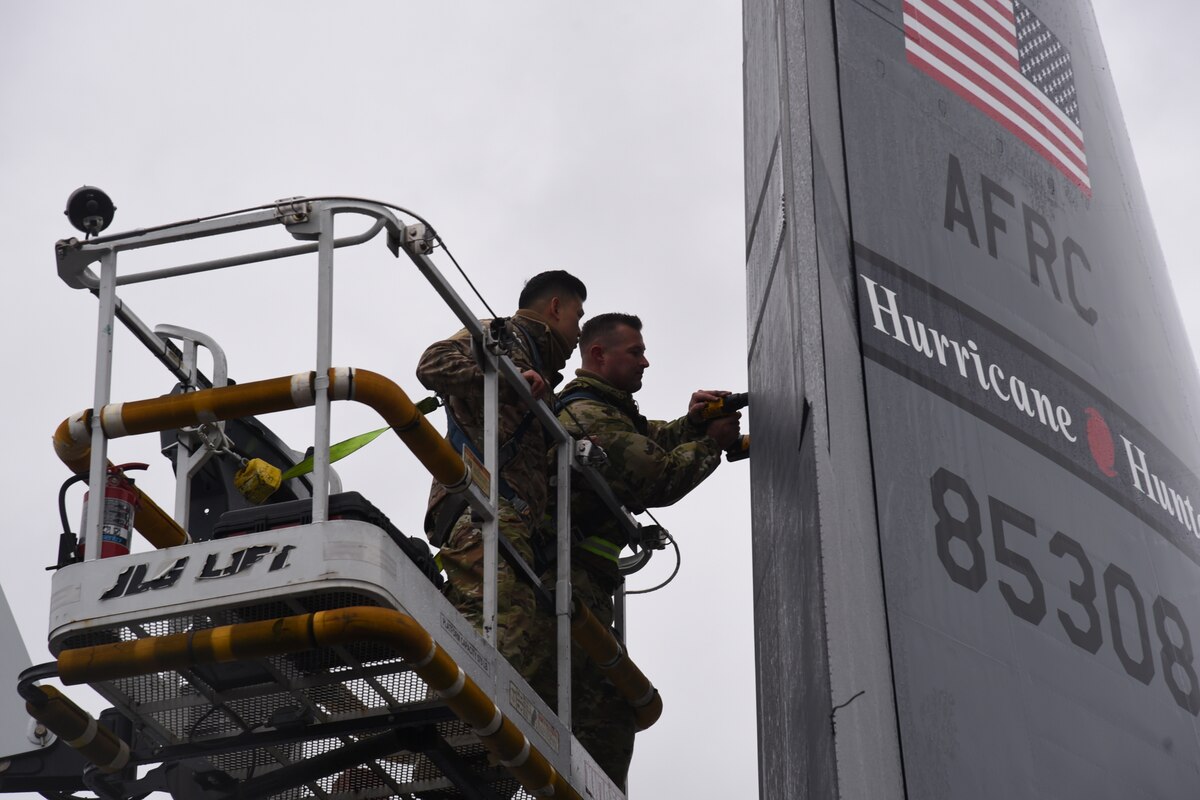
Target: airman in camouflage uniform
(544, 332)
(650, 464)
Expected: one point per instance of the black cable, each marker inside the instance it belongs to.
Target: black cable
(463, 273)
(671, 577)
(647, 512)
(432, 232)
(192, 729)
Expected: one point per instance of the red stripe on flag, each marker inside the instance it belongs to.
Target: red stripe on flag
(1009, 34)
(932, 71)
(1004, 9)
(1033, 122)
(1053, 126)
(1009, 58)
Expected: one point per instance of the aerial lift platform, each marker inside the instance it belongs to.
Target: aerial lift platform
(316, 660)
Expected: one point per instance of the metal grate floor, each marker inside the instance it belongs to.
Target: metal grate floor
(245, 720)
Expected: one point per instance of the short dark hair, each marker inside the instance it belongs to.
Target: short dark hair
(552, 283)
(602, 325)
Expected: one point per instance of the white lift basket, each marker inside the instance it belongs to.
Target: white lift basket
(310, 661)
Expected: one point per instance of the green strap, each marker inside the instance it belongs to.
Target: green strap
(598, 545)
(336, 453)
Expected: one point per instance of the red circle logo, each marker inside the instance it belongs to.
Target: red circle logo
(1100, 442)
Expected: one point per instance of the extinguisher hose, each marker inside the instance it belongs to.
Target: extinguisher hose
(62, 499)
(78, 478)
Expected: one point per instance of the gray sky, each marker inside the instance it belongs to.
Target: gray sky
(532, 135)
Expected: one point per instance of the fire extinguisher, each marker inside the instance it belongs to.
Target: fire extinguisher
(120, 507)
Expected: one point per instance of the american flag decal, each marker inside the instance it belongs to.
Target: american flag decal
(1000, 58)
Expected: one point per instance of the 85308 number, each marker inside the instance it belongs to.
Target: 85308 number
(960, 519)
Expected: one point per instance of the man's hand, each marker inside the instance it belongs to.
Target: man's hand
(726, 430)
(701, 398)
(537, 385)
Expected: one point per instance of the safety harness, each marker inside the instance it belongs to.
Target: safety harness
(451, 508)
(596, 545)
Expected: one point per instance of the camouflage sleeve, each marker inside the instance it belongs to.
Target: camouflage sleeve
(448, 367)
(642, 473)
(669, 435)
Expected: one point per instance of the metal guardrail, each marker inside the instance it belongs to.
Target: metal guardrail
(312, 220)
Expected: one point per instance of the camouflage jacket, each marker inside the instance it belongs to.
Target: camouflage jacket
(650, 464)
(449, 368)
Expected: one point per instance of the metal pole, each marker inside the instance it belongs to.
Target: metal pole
(562, 593)
(183, 458)
(491, 460)
(619, 611)
(103, 390)
(324, 361)
(189, 463)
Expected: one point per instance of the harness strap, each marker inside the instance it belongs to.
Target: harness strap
(599, 546)
(567, 398)
(535, 353)
(508, 450)
(459, 439)
(596, 545)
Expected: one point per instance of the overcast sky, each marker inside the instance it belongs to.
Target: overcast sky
(533, 135)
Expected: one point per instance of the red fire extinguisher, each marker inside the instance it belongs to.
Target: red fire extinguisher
(120, 506)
